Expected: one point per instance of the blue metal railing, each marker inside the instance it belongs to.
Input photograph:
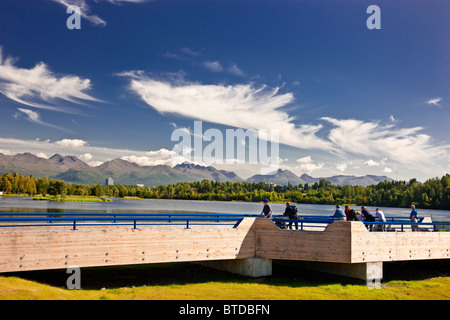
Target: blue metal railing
(37, 219)
(387, 226)
(33, 219)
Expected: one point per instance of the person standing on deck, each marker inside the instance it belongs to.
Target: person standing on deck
(381, 218)
(368, 217)
(413, 217)
(291, 212)
(266, 209)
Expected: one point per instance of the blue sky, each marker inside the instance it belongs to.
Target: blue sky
(346, 99)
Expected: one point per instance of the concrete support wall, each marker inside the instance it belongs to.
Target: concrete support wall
(250, 267)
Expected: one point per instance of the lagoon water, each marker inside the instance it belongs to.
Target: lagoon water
(26, 204)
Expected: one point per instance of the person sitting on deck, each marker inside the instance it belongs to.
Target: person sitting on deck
(413, 217)
(347, 212)
(339, 214)
(291, 212)
(359, 216)
(266, 209)
(352, 215)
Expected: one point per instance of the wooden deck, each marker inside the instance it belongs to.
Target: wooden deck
(54, 247)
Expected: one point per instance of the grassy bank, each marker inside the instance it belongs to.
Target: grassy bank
(186, 281)
(73, 199)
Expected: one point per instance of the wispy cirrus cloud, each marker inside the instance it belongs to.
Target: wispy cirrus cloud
(39, 87)
(407, 146)
(213, 66)
(34, 117)
(234, 69)
(435, 102)
(86, 9)
(240, 105)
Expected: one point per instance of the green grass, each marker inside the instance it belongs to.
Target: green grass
(73, 199)
(180, 281)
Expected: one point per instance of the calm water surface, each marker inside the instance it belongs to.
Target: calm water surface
(26, 204)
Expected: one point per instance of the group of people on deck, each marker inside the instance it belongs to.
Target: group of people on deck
(346, 214)
(350, 214)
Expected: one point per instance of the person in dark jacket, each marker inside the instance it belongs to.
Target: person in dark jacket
(352, 216)
(266, 209)
(291, 212)
(367, 217)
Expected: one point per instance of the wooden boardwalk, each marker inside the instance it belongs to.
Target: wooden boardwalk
(24, 248)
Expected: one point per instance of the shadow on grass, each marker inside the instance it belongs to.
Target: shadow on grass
(167, 274)
(416, 270)
(177, 274)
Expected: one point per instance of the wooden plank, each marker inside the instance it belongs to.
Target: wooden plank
(58, 247)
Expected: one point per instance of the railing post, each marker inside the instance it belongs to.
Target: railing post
(187, 224)
(134, 225)
(115, 219)
(51, 216)
(74, 224)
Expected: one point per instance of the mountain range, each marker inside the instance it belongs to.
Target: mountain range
(73, 170)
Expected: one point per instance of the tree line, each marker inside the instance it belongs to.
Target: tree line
(432, 194)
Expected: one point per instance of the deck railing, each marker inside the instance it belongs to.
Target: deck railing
(304, 222)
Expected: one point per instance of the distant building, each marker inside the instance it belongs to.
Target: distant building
(139, 185)
(109, 182)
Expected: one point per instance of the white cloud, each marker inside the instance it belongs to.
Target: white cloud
(435, 102)
(213, 66)
(341, 167)
(42, 155)
(86, 157)
(407, 146)
(234, 69)
(85, 8)
(7, 152)
(306, 159)
(190, 52)
(153, 158)
(308, 168)
(95, 163)
(33, 116)
(38, 87)
(240, 105)
(71, 143)
(387, 170)
(371, 163)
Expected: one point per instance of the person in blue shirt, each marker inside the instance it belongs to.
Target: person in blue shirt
(413, 217)
(266, 209)
(339, 214)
